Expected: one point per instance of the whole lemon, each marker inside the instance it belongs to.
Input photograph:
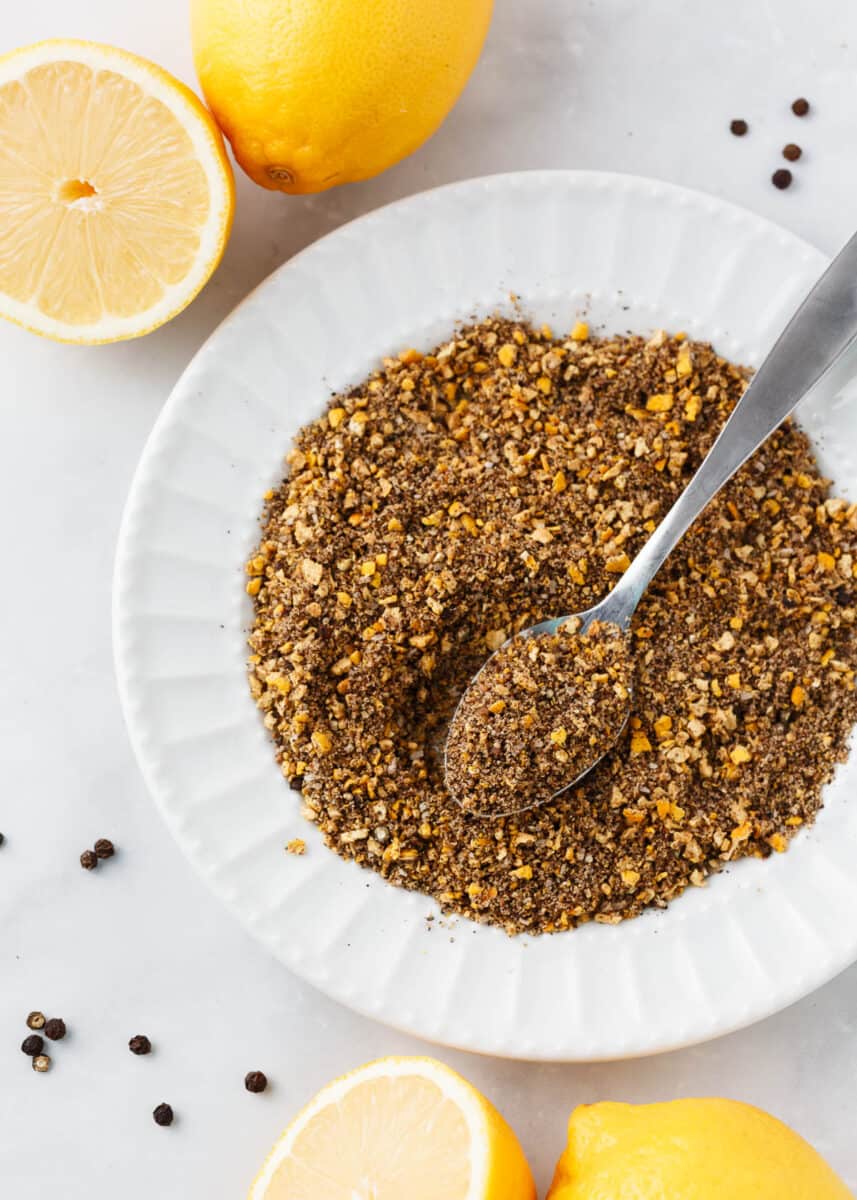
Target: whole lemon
(689, 1150)
(313, 93)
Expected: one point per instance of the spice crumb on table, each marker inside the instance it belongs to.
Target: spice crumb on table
(457, 497)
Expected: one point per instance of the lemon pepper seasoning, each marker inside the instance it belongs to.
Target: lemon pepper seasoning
(505, 477)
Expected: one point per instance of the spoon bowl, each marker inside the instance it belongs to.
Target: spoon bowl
(529, 705)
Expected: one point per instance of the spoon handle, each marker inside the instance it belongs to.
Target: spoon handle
(816, 337)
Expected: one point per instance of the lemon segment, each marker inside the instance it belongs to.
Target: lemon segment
(116, 195)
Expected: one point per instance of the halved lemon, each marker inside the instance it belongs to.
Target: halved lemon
(396, 1128)
(116, 195)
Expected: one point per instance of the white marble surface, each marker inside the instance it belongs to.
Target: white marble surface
(646, 86)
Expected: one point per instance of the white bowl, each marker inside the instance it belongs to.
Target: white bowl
(630, 254)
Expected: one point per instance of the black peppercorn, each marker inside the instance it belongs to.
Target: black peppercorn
(33, 1044)
(800, 107)
(55, 1029)
(739, 128)
(163, 1115)
(2, 839)
(88, 860)
(140, 1044)
(36, 1020)
(296, 783)
(792, 152)
(781, 178)
(104, 848)
(255, 1081)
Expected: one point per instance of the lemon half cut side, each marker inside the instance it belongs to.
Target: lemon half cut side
(396, 1128)
(116, 194)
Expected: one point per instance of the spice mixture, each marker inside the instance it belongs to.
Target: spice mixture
(453, 499)
(542, 710)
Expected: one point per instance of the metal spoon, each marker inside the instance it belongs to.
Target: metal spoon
(822, 330)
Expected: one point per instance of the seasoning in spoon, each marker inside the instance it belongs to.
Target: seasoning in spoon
(542, 711)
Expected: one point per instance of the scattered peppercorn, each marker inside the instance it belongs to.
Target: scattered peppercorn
(792, 152)
(739, 128)
(140, 1044)
(296, 783)
(55, 1029)
(2, 839)
(800, 107)
(88, 860)
(782, 178)
(104, 848)
(163, 1115)
(33, 1044)
(255, 1081)
(36, 1020)
(41, 1063)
